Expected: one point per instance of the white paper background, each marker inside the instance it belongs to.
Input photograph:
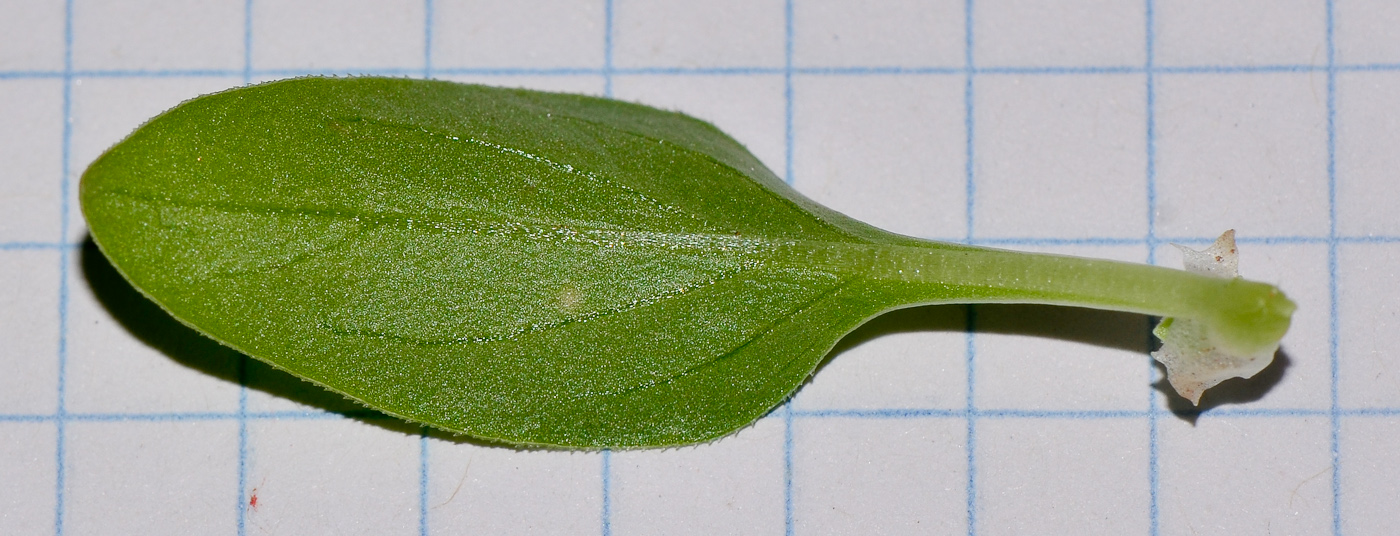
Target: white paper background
(1097, 127)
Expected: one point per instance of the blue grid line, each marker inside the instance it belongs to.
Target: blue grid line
(427, 38)
(969, 122)
(60, 435)
(1332, 342)
(247, 40)
(1184, 240)
(227, 415)
(1065, 414)
(1366, 67)
(22, 246)
(788, 21)
(28, 417)
(1029, 241)
(1240, 69)
(241, 508)
(1263, 240)
(883, 413)
(1367, 239)
(1245, 412)
(178, 416)
(1056, 70)
(13, 75)
(875, 70)
(423, 481)
(971, 414)
(164, 416)
(609, 71)
(789, 525)
(606, 470)
(853, 413)
(896, 413)
(934, 413)
(608, 68)
(789, 519)
(423, 451)
(1369, 412)
(1152, 240)
(969, 170)
(605, 517)
(1150, 145)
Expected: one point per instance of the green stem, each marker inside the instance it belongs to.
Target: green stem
(1243, 316)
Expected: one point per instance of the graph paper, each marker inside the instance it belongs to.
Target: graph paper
(1102, 128)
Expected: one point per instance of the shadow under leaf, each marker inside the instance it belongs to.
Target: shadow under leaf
(1231, 391)
(156, 328)
(1109, 329)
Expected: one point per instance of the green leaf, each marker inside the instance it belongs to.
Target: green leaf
(537, 268)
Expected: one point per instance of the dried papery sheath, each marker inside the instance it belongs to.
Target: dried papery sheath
(1194, 357)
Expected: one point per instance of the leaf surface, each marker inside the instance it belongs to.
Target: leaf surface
(519, 266)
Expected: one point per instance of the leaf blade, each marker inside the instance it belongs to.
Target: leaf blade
(597, 284)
